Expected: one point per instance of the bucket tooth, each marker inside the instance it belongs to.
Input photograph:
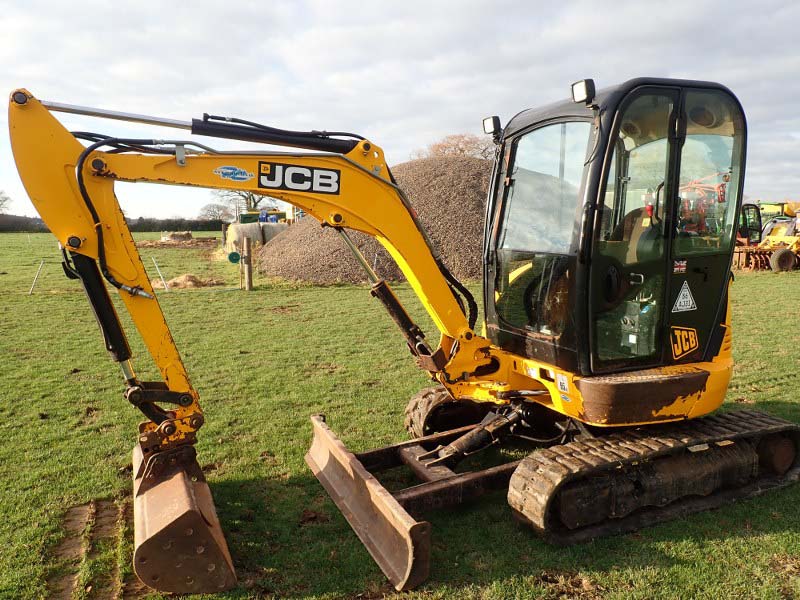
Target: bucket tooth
(398, 543)
(179, 546)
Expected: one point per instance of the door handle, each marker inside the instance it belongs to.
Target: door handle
(635, 278)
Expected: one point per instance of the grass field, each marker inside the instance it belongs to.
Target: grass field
(263, 362)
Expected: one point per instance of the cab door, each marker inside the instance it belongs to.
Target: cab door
(628, 276)
(710, 170)
(664, 230)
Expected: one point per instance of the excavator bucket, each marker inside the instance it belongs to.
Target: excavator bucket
(398, 543)
(178, 542)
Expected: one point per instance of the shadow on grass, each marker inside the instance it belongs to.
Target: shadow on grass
(288, 539)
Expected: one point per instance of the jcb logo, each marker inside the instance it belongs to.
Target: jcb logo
(684, 341)
(295, 178)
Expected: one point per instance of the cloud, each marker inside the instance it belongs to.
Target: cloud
(403, 74)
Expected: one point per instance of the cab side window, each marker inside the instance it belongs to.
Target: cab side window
(538, 227)
(709, 175)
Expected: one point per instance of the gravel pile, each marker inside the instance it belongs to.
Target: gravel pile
(449, 195)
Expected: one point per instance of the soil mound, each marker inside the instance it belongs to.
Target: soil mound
(449, 195)
(184, 281)
(197, 242)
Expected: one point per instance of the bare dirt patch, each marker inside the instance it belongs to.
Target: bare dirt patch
(328, 368)
(565, 584)
(284, 309)
(788, 569)
(186, 281)
(312, 516)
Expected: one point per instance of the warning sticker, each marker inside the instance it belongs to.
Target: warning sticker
(561, 380)
(685, 301)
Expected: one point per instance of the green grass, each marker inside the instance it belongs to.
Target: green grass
(263, 362)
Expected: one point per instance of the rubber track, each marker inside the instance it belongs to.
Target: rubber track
(535, 484)
(420, 406)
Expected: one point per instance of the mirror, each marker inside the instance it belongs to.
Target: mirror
(583, 91)
(491, 125)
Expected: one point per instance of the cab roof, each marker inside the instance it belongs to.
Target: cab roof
(607, 99)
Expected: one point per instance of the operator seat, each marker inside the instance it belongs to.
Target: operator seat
(642, 234)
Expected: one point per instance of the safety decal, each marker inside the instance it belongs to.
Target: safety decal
(685, 301)
(684, 340)
(296, 178)
(233, 173)
(561, 381)
(679, 266)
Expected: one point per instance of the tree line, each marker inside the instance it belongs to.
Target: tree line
(10, 223)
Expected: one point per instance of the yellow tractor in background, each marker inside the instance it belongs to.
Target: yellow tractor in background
(775, 244)
(604, 346)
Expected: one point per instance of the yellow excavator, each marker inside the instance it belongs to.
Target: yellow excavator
(606, 336)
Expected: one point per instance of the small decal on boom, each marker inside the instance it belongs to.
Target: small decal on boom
(296, 178)
(684, 340)
(233, 173)
(685, 301)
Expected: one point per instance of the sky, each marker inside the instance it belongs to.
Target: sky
(403, 74)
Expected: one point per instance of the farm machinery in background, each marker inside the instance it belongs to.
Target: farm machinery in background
(768, 237)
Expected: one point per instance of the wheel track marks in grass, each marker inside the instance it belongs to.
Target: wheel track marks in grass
(129, 587)
(104, 528)
(69, 553)
(88, 528)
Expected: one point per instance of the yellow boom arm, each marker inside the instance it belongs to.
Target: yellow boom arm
(366, 200)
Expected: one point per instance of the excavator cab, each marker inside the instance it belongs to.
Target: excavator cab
(611, 226)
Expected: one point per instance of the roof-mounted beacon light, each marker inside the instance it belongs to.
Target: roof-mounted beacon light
(583, 91)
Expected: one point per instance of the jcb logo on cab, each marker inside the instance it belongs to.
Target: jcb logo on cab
(296, 178)
(684, 340)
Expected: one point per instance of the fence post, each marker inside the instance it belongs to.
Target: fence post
(36, 278)
(248, 263)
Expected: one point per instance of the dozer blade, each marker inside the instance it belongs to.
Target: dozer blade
(398, 543)
(178, 542)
